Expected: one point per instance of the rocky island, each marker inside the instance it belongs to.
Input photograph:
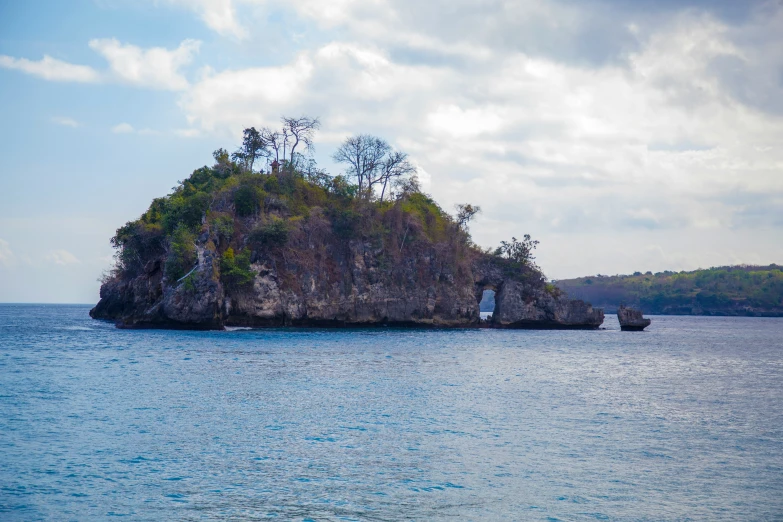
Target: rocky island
(292, 246)
(631, 320)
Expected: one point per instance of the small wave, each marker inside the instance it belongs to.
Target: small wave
(237, 328)
(74, 328)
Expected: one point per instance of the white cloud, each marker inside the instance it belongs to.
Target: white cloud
(219, 15)
(127, 128)
(187, 133)
(7, 257)
(122, 128)
(657, 141)
(255, 94)
(156, 67)
(66, 122)
(62, 257)
(557, 119)
(222, 15)
(52, 69)
(354, 88)
(454, 121)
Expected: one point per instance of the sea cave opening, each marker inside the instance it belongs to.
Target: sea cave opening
(487, 303)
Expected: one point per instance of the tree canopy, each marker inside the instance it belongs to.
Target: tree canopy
(719, 290)
(373, 163)
(249, 214)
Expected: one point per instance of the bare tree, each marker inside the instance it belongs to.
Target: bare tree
(466, 212)
(286, 137)
(364, 155)
(295, 132)
(273, 139)
(299, 130)
(394, 166)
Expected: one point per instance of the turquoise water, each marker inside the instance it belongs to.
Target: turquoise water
(684, 421)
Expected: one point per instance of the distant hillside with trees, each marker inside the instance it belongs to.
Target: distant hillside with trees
(727, 290)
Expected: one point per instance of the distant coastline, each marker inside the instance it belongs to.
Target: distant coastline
(741, 290)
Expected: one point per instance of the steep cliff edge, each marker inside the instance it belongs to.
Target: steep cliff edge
(238, 248)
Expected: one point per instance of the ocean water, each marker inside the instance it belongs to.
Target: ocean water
(683, 421)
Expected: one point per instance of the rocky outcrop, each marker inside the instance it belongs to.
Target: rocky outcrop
(526, 302)
(631, 320)
(348, 284)
(518, 307)
(149, 300)
(358, 292)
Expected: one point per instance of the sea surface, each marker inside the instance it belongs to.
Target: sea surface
(680, 422)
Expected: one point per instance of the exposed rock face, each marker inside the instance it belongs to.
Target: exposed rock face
(518, 308)
(631, 320)
(150, 301)
(351, 285)
(520, 304)
(357, 291)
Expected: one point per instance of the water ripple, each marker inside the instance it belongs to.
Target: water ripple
(680, 422)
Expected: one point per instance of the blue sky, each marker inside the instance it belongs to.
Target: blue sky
(625, 135)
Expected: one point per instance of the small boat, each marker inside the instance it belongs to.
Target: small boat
(631, 320)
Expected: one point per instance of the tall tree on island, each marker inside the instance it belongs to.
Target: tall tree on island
(466, 212)
(373, 162)
(394, 167)
(254, 146)
(299, 130)
(364, 155)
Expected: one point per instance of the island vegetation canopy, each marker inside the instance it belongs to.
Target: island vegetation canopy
(269, 201)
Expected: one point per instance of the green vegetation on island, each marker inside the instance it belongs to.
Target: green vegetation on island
(728, 290)
(269, 202)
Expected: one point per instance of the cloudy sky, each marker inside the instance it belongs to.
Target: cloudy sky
(623, 134)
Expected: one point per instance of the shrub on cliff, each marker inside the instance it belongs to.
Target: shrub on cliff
(437, 224)
(181, 252)
(235, 271)
(185, 208)
(136, 243)
(342, 188)
(345, 222)
(520, 252)
(274, 233)
(223, 225)
(248, 199)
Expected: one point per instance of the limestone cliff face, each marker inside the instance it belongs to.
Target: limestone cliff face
(349, 283)
(230, 247)
(149, 300)
(521, 303)
(353, 288)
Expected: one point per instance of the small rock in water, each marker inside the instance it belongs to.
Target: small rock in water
(631, 320)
